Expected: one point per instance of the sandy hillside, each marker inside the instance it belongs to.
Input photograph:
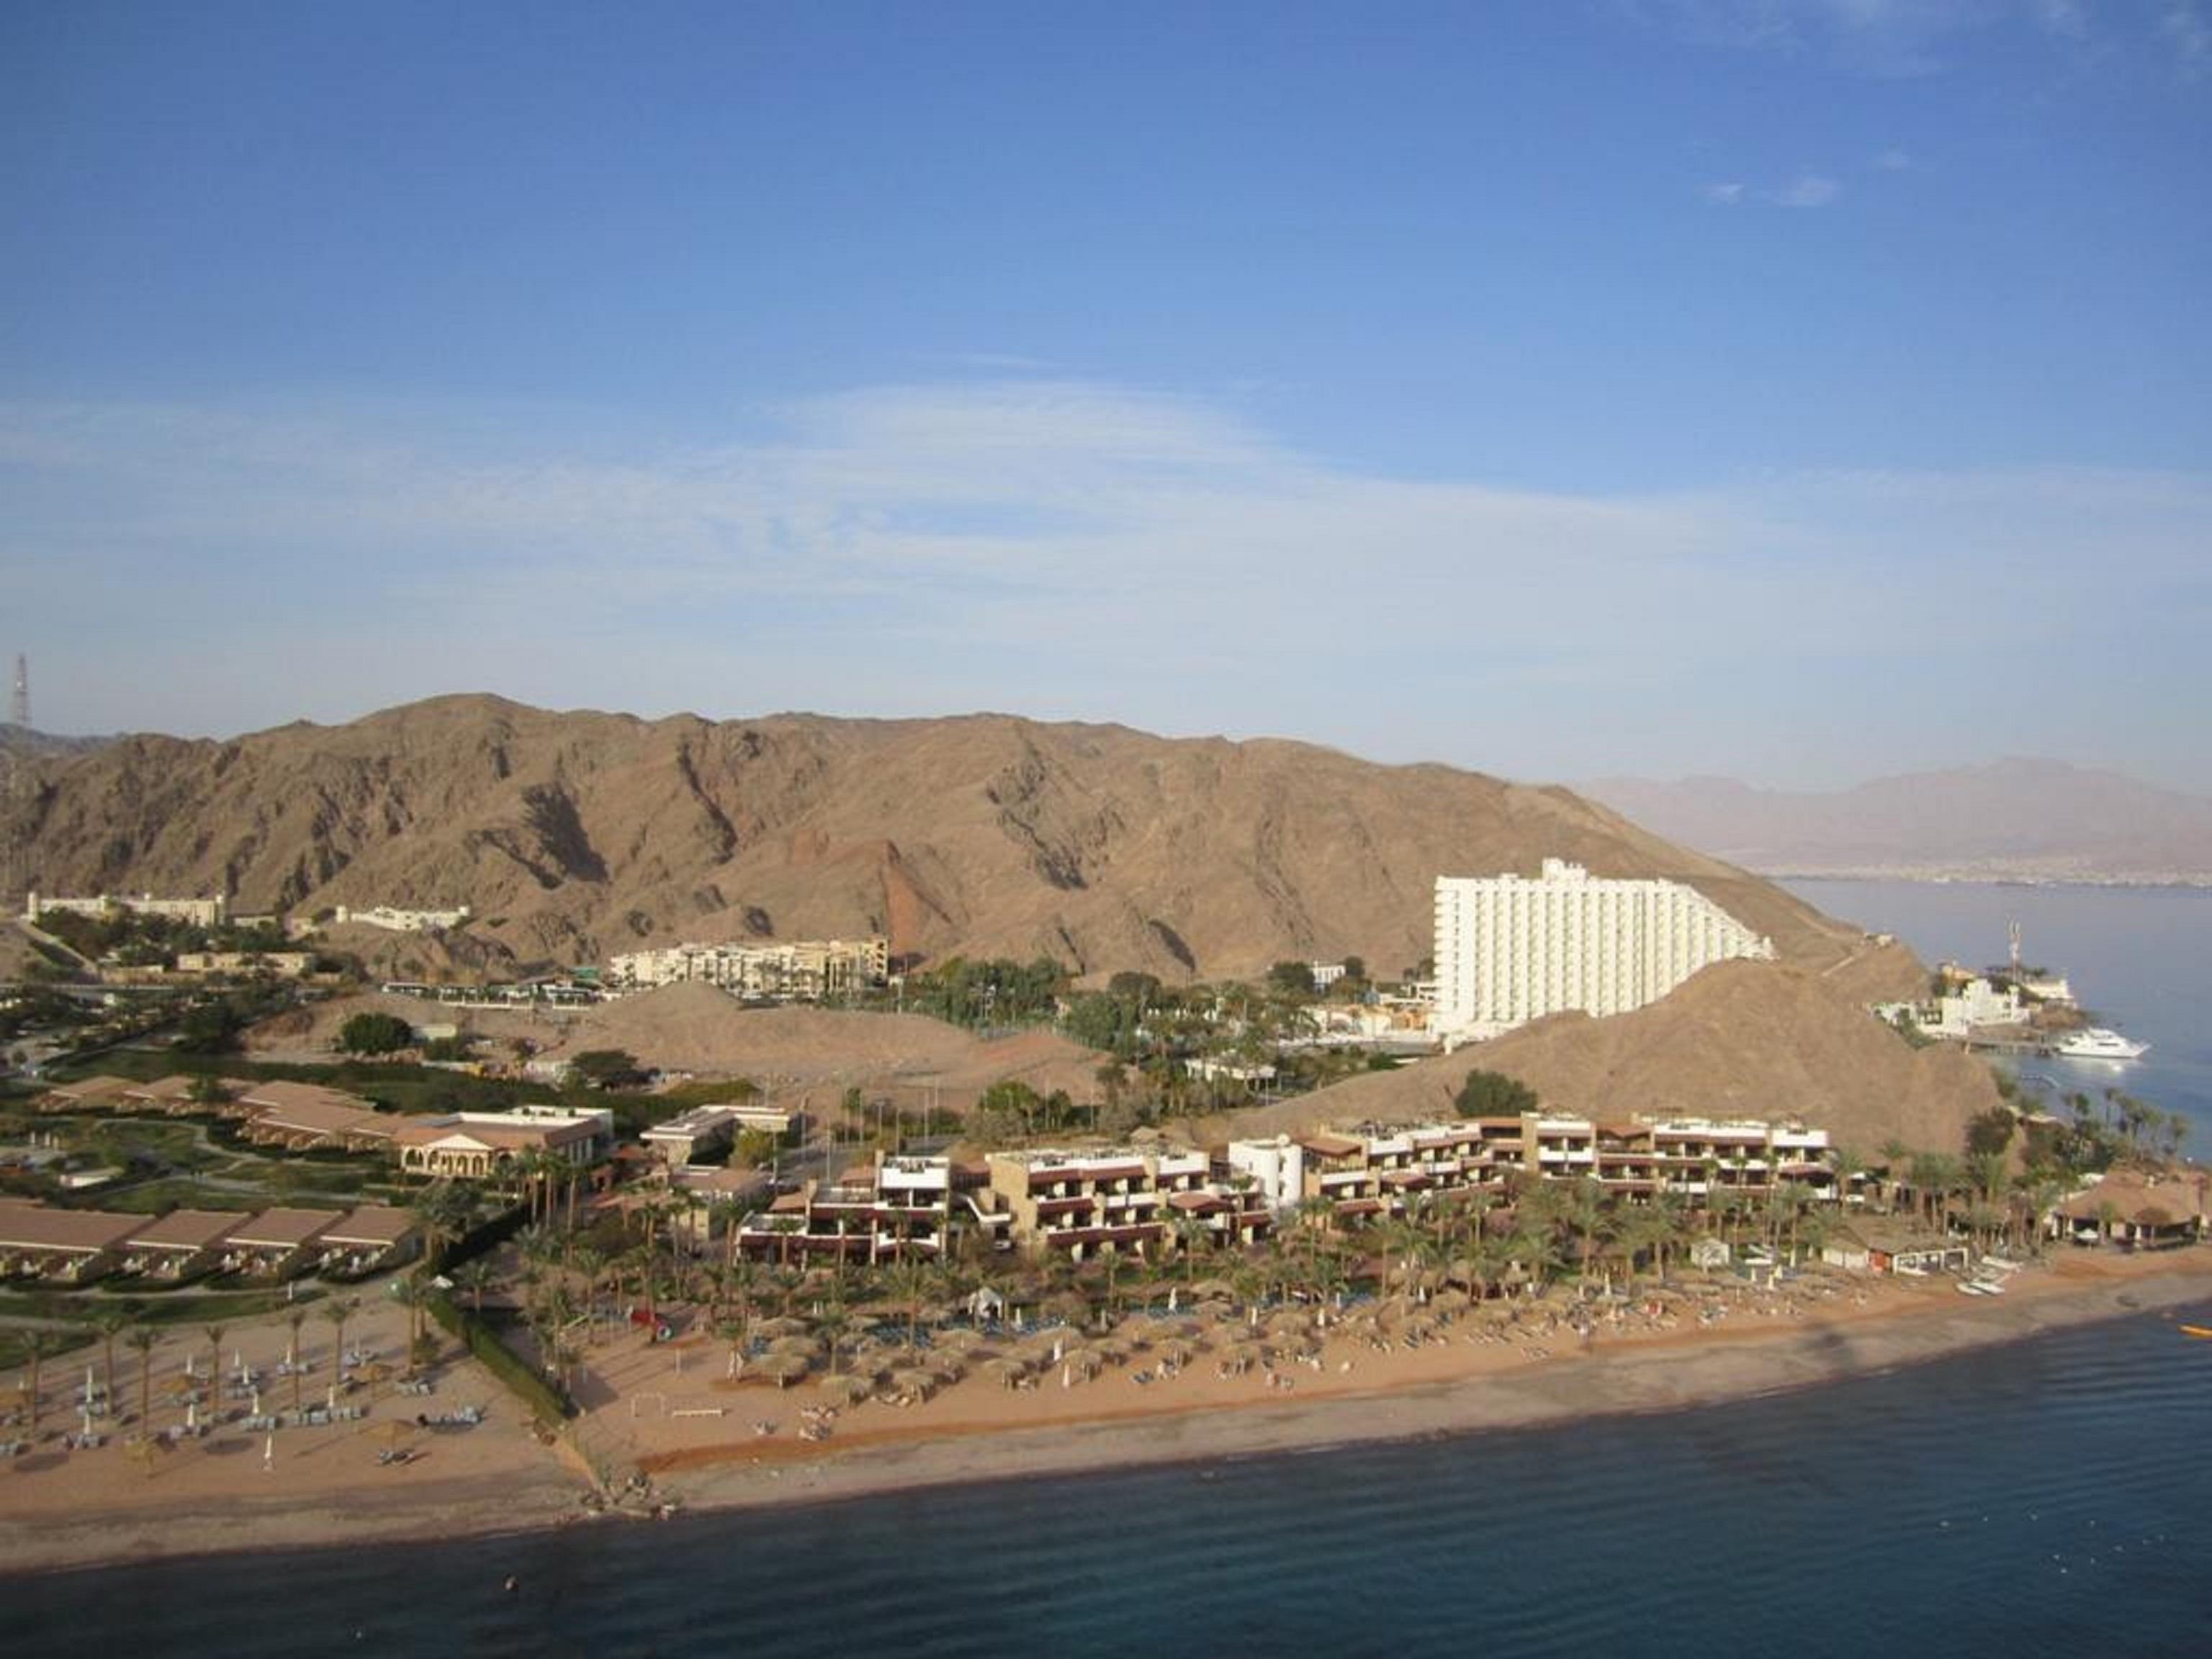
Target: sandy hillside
(1737, 1039)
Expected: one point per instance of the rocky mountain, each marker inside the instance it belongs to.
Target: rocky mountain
(575, 835)
(2014, 819)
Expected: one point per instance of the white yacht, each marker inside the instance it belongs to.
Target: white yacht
(2096, 1042)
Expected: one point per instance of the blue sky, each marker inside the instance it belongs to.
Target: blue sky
(1794, 389)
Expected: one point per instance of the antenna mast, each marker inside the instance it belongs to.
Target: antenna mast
(19, 708)
(2014, 928)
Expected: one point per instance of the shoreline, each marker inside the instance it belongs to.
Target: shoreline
(1708, 1368)
(510, 1484)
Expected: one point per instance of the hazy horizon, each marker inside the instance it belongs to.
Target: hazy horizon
(1801, 391)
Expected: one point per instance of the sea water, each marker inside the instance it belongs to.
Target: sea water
(2052, 1496)
(2139, 959)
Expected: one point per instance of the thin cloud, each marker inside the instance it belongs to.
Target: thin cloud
(1806, 190)
(1893, 161)
(1071, 550)
(1725, 195)
(2188, 33)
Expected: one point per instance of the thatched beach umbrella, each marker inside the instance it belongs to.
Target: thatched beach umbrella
(945, 1367)
(781, 1325)
(850, 1387)
(914, 1380)
(960, 1338)
(1006, 1369)
(787, 1368)
(1176, 1350)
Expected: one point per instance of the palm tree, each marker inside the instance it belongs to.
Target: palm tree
(295, 1318)
(37, 1345)
(337, 1310)
(1585, 1212)
(831, 1325)
(1189, 1232)
(414, 1295)
(143, 1338)
(110, 1322)
(213, 1334)
(1894, 1153)
(443, 1210)
(908, 1282)
(475, 1277)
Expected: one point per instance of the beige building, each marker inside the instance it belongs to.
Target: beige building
(900, 1208)
(199, 912)
(1122, 1200)
(70, 1246)
(366, 1240)
(179, 1244)
(303, 1115)
(484, 1145)
(797, 970)
(1379, 1170)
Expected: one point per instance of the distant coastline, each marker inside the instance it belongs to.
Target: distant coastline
(1977, 876)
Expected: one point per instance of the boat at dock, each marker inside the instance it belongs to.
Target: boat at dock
(2097, 1043)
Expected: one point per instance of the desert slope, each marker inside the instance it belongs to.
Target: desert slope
(575, 835)
(1741, 1039)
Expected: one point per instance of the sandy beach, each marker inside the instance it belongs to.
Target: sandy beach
(705, 1438)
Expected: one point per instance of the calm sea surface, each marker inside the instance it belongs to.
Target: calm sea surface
(2052, 1497)
(2049, 1497)
(2140, 958)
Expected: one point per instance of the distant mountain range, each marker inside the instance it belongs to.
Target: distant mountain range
(2018, 819)
(575, 835)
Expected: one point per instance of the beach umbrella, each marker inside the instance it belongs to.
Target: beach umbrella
(1176, 1350)
(787, 1368)
(1111, 1350)
(808, 1346)
(960, 1338)
(850, 1387)
(1006, 1369)
(781, 1325)
(914, 1380)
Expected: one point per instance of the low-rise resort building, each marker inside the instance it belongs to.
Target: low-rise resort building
(75, 1247)
(796, 970)
(1380, 1170)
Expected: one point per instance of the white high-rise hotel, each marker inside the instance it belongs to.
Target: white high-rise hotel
(1510, 949)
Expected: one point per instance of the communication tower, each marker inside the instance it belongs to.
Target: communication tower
(19, 706)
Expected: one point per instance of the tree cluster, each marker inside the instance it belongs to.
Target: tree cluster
(1493, 1094)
